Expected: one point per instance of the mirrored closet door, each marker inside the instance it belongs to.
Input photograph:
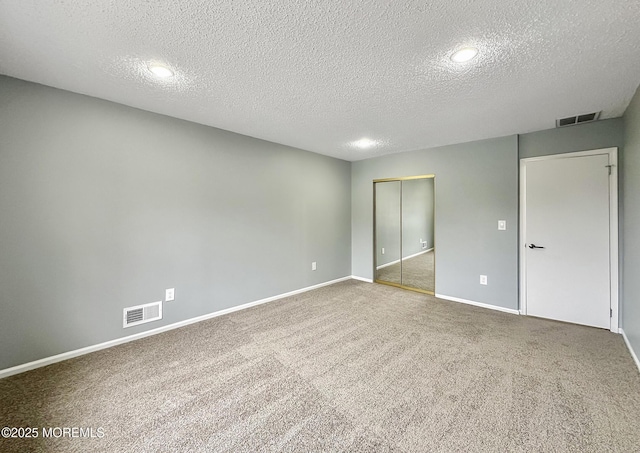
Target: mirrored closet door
(404, 235)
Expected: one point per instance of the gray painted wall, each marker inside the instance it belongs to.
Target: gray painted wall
(631, 203)
(582, 137)
(104, 206)
(476, 185)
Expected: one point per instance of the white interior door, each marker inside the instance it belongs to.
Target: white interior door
(567, 238)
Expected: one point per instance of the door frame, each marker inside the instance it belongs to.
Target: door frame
(613, 227)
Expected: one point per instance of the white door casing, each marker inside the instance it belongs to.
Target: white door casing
(569, 207)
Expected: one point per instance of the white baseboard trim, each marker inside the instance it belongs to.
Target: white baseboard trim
(478, 304)
(362, 279)
(405, 258)
(108, 344)
(633, 353)
(387, 265)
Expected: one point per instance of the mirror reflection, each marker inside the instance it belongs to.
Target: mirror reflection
(417, 234)
(405, 232)
(388, 232)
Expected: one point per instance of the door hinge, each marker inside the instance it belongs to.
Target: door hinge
(609, 168)
(611, 313)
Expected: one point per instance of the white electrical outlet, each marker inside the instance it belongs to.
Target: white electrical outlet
(502, 224)
(483, 279)
(313, 266)
(169, 294)
(383, 250)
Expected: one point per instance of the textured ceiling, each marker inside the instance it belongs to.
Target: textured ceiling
(319, 74)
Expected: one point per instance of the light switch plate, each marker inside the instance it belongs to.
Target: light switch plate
(483, 280)
(313, 266)
(502, 224)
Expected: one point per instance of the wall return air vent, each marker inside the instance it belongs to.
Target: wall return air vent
(140, 314)
(577, 119)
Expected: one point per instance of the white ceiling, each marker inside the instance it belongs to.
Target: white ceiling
(319, 74)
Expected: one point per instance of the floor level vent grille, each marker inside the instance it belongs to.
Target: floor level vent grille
(140, 314)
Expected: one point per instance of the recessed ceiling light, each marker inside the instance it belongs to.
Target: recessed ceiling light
(465, 54)
(160, 71)
(364, 143)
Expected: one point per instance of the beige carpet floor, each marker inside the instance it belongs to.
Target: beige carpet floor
(417, 272)
(352, 367)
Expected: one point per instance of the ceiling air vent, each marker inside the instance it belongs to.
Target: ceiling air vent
(140, 314)
(577, 119)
